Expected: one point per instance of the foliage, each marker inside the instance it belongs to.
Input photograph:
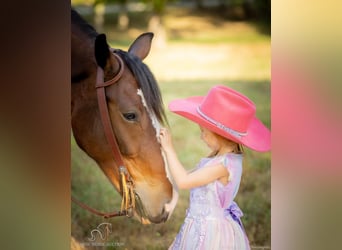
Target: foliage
(110, 1)
(263, 8)
(95, 2)
(82, 2)
(158, 6)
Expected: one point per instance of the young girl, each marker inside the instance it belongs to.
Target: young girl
(227, 121)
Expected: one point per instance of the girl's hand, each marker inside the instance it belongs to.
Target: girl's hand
(165, 139)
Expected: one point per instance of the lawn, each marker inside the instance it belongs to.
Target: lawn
(235, 54)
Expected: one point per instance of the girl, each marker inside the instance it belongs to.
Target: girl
(227, 121)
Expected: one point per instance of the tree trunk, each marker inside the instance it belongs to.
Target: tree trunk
(156, 26)
(123, 19)
(199, 4)
(99, 11)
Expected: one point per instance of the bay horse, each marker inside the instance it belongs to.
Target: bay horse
(135, 113)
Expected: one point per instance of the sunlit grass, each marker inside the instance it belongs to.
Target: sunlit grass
(89, 183)
(254, 196)
(250, 62)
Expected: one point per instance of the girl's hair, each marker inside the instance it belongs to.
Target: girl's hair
(238, 149)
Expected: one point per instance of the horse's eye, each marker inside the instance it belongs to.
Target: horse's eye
(130, 116)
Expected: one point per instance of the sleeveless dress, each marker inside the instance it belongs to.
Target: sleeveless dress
(213, 218)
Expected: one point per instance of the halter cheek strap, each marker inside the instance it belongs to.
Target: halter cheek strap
(126, 182)
(102, 103)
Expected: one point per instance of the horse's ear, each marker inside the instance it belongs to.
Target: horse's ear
(142, 45)
(102, 52)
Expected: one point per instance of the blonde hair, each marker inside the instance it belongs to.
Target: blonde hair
(238, 148)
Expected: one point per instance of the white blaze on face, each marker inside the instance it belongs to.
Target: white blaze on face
(169, 207)
(155, 122)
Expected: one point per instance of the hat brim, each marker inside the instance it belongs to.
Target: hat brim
(258, 136)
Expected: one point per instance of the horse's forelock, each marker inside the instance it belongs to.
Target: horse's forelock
(147, 83)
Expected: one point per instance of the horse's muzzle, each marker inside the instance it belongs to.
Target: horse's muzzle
(145, 218)
(160, 218)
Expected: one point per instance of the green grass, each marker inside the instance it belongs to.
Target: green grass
(250, 50)
(89, 184)
(254, 196)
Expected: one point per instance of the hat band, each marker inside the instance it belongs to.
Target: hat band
(221, 126)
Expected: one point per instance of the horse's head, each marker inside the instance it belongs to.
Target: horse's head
(136, 112)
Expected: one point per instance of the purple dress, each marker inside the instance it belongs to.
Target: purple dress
(213, 218)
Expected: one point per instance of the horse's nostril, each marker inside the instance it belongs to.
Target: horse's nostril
(165, 214)
(166, 217)
(162, 217)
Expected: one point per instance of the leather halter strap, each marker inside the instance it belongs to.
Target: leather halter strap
(101, 99)
(97, 212)
(126, 182)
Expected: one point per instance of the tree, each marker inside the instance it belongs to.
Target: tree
(123, 19)
(155, 23)
(99, 12)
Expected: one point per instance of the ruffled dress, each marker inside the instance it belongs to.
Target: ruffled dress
(213, 218)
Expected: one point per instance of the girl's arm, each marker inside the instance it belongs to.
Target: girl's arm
(183, 179)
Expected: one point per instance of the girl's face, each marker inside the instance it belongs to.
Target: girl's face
(209, 138)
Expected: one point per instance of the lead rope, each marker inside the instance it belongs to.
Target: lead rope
(122, 212)
(128, 201)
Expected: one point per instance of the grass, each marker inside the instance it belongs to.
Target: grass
(201, 52)
(254, 196)
(255, 193)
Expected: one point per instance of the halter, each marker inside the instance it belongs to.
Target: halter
(126, 182)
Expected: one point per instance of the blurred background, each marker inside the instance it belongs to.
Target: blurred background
(197, 44)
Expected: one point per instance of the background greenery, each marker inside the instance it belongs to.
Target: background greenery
(203, 47)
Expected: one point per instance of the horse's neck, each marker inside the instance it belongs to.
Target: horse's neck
(83, 73)
(82, 51)
(82, 54)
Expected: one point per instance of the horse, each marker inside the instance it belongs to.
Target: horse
(133, 103)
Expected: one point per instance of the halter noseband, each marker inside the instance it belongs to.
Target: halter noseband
(126, 182)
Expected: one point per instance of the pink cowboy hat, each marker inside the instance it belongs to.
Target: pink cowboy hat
(227, 113)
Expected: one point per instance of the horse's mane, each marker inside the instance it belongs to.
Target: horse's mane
(85, 27)
(146, 82)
